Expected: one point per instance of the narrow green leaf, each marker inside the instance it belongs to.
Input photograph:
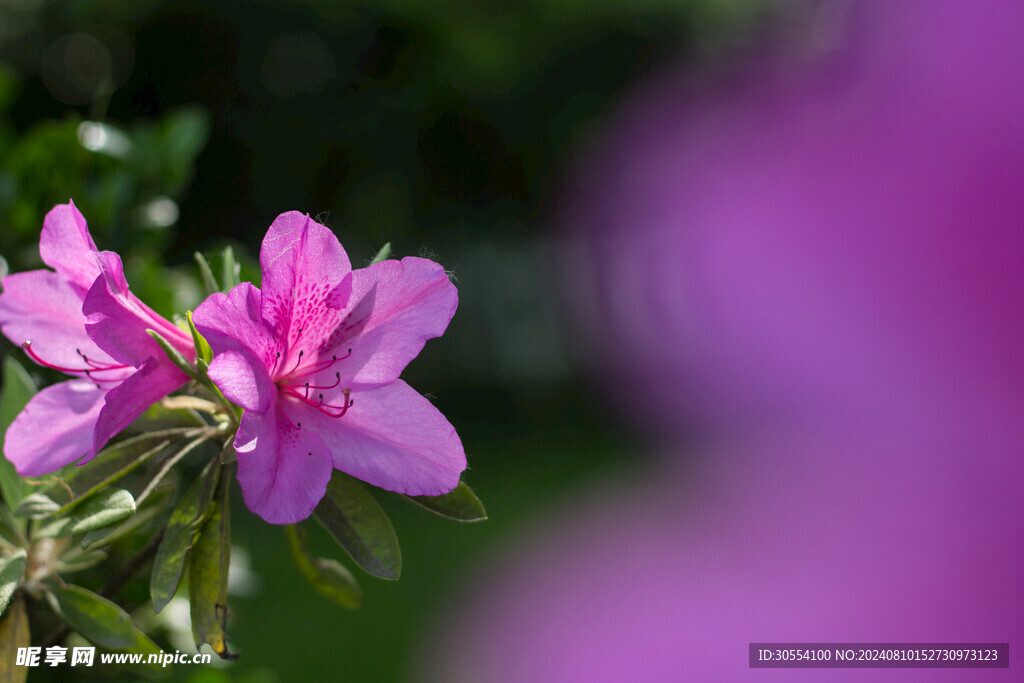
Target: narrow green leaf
(176, 356)
(203, 349)
(83, 561)
(329, 578)
(103, 509)
(11, 528)
(209, 281)
(147, 510)
(208, 573)
(179, 535)
(360, 526)
(35, 506)
(14, 634)
(231, 269)
(17, 390)
(148, 484)
(113, 463)
(96, 618)
(12, 568)
(460, 504)
(383, 254)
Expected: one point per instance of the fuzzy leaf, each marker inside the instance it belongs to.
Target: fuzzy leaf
(35, 506)
(329, 578)
(98, 619)
(382, 255)
(179, 536)
(14, 633)
(17, 390)
(360, 526)
(460, 504)
(208, 573)
(103, 509)
(12, 568)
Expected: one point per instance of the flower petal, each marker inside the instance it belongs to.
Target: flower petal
(232, 322)
(243, 380)
(396, 306)
(55, 428)
(305, 280)
(393, 438)
(156, 378)
(117, 321)
(66, 246)
(283, 469)
(41, 307)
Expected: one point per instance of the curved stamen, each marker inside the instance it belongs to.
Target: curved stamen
(328, 409)
(312, 369)
(95, 367)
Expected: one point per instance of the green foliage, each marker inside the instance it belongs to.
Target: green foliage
(460, 504)
(18, 388)
(14, 633)
(98, 619)
(208, 572)
(359, 524)
(326, 576)
(12, 568)
(179, 536)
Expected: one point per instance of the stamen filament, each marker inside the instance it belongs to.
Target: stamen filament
(94, 366)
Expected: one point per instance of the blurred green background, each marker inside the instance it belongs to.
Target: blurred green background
(446, 128)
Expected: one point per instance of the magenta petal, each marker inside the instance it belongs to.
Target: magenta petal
(67, 247)
(40, 307)
(155, 379)
(393, 438)
(117, 322)
(396, 306)
(283, 470)
(55, 428)
(305, 279)
(243, 380)
(232, 322)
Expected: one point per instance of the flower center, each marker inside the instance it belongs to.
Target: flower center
(296, 383)
(97, 371)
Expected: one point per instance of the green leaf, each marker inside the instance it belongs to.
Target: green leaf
(14, 634)
(382, 255)
(12, 568)
(329, 578)
(176, 356)
(144, 512)
(35, 506)
(460, 504)
(98, 511)
(80, 562)
(17, 390)
(231, 269)
(360, 526)
(209, 281)
(179, 536)
(203, 349)
(208, 573)
(113, 463)
(98, 619)
(11, 528)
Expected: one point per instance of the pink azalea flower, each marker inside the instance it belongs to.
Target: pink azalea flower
(83, 321)
(314, 358)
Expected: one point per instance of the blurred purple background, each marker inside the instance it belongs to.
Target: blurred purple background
(803, 279)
